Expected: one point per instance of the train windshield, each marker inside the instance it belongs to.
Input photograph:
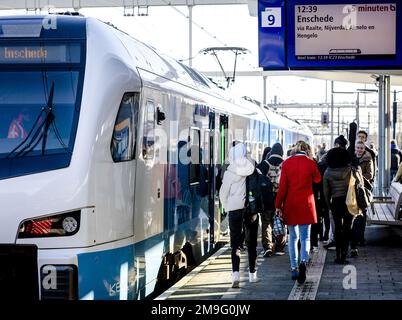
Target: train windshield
(40, 94)
(36, 112)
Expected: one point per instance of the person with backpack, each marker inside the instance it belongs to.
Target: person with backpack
(233, 194)
(271, 167)
(363, 160)
(295, 204)
(396, 158)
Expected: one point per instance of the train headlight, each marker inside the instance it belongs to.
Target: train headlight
(66, 224)
(70, 224)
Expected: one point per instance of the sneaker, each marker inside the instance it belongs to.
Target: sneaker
(314, 249)
(267, 253)
(242, 248)
(354, 253)
(236, 279)
(252, 276)
(295, 274)
(302, 273)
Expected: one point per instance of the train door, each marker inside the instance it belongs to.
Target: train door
(223, 145)
(210, 159)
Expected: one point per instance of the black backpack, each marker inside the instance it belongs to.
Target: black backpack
(259, 191)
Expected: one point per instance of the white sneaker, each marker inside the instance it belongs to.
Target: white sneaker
(236, 279)
(252, 276)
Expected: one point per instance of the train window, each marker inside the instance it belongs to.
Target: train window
(148, 147)
(194, 171)
(125, 132)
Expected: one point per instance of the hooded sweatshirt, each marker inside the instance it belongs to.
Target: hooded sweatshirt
(233, 190)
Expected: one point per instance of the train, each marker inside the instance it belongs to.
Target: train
(109, 153)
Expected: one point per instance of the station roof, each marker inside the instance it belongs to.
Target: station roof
(361, 76)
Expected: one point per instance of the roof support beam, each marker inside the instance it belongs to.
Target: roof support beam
(78, 4)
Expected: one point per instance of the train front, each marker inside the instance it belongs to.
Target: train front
(42, 63)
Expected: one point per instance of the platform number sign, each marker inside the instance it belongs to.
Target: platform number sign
(271, 18)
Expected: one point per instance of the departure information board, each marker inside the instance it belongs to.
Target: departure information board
(332, 34)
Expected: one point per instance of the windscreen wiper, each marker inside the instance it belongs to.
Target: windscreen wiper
(35, 136)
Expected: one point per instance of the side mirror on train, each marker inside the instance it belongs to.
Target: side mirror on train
(160, 116)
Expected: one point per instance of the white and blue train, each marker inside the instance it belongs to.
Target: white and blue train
(94, 201)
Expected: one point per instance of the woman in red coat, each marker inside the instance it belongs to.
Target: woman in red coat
(295, 203)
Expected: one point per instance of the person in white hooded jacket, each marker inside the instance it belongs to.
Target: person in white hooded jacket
(233, 195)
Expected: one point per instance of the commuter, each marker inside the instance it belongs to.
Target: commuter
(336, 184)
(362, 136)
(267, 150)
(398, 176)
(365, 162)
(340, 142)
(317, 155)
(396, 158)
(295, 203)
(289, 153)
(373, 148)
(18, 126)
(221, 174)
(233, 195)
(321, 151)
(271, 167)
(317, 228)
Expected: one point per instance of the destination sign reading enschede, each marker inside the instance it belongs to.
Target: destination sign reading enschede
(39, 54)
(345, 32)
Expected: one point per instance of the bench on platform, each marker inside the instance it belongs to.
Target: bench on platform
(387, 210)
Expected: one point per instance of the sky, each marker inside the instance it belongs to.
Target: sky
(166, 29)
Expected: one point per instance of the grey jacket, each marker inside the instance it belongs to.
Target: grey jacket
(336, 183)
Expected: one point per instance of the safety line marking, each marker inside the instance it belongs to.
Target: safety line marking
(182, 282)
(308, 290)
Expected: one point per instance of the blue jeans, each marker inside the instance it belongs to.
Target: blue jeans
(297, 232)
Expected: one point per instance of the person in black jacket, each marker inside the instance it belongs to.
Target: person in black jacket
(336, 184)
(340, 142)
(271, 167)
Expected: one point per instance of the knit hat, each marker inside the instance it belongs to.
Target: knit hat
(267, 150)
(338, 158)
(341, 140)
(277, 149)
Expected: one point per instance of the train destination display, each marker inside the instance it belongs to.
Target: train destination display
(19, 54)
(340, 32)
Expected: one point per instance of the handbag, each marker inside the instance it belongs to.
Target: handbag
(351, 201)
(363, 194)
(278, 228)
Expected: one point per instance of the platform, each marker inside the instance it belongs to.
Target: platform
(377, 268)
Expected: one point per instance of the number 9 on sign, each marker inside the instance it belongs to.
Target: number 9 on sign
(271, 18)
